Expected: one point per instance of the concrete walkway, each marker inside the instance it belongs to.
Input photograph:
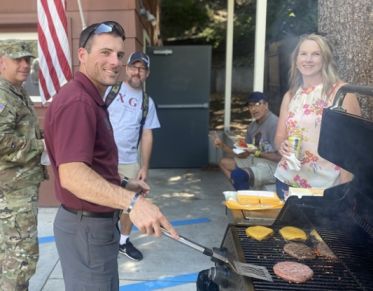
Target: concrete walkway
(192, 200)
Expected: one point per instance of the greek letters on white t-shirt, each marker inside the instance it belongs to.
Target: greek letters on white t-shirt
(125, 116)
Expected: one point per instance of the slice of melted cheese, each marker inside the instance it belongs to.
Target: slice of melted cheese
(247, 199)
(274, 200)
(258, 232)
(293, 233)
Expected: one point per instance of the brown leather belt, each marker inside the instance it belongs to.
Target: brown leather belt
(89, 213)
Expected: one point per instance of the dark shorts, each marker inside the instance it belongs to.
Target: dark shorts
(88, 251)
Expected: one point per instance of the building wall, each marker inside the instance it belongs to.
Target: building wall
(19, 17)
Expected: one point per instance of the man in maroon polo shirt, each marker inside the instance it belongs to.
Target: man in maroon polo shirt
(84, 159)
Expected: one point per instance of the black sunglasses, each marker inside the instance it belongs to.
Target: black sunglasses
(105, 27)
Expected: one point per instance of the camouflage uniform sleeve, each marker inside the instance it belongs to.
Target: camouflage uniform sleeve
(13, 147)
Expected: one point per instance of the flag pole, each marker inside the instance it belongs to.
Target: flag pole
(81, 14)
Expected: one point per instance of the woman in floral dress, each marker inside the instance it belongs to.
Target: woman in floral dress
(313, 84)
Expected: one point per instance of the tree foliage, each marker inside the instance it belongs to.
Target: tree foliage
(290, 17)
(182, 19)
(204, 22)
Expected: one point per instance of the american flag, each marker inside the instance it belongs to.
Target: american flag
(53, 47)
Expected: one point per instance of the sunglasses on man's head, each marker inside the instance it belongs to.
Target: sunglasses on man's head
(105, 27)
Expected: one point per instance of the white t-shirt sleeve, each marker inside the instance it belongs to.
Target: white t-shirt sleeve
(151, 121)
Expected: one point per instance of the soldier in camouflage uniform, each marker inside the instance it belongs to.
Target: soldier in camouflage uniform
(21, 146)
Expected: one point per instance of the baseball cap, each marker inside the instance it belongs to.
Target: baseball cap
(15, 48)
(256, 97)
(139, 57)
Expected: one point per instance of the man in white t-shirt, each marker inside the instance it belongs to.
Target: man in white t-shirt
(128, 109)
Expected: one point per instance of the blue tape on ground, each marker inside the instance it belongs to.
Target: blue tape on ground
(161, 283)
(46, 239)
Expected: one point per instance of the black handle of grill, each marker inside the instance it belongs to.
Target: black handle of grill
(341, 93)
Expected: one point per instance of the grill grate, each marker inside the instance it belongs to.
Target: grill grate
(352, 270)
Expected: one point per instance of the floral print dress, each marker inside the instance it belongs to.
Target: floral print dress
(304, 118)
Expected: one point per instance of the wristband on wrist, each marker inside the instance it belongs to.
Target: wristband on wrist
(133, 201)
(257, 153)
(124, 182)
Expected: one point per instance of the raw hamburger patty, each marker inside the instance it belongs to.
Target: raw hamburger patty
(323, 250)
(299, 251)
(293, 272)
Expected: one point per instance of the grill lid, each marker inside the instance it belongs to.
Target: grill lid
(347, 140)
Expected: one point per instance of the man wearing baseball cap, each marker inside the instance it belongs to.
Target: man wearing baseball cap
(253, 166)
(21, 146)
(133, 117)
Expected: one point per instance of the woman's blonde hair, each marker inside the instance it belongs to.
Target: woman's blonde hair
(328, 70)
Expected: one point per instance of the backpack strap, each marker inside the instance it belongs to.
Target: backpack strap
(145, 109)
(112, 94)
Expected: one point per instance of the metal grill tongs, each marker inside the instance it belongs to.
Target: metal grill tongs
(243, 269)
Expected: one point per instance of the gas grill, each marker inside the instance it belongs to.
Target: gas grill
(343, 217)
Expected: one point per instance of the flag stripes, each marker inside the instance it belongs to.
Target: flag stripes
(53, 47)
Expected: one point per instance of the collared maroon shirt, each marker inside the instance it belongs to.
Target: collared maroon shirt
(77, 129)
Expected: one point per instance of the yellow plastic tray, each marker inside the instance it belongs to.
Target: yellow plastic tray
(233, 204)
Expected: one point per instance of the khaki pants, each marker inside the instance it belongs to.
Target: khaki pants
(263, 170)
(128, 170)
